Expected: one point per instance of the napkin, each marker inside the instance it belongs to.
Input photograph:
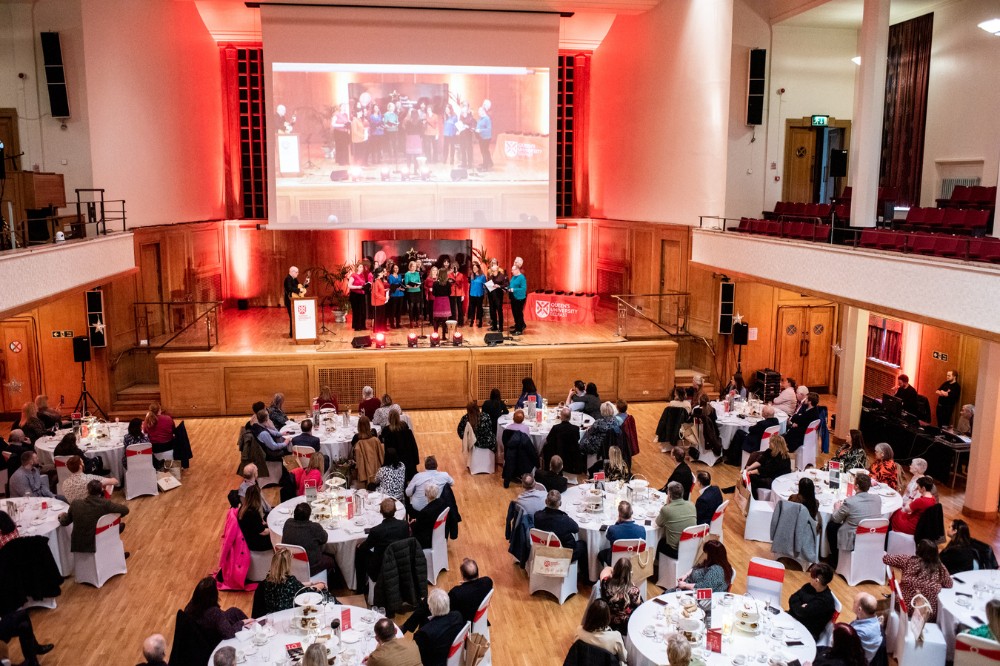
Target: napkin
(244, 635)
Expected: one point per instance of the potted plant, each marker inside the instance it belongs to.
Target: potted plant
(336, 281)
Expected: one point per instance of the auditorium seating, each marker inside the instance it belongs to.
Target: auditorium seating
(810, 212)
(947, 220)
(974, 196)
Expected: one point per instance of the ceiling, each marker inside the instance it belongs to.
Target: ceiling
(586, 6)
(846, 14)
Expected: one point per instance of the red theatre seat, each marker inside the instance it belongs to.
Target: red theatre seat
(923, 243)
(870, 238)
(949, 246)
(976, 220)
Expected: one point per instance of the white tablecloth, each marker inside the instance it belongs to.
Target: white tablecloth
(540, 431)
(110, 450)
(342, 539)
(358, 639)
(334, 437)
(35, 521)
(644, 650)
(951, 613)
(591, 524)
(785, 486)
(729, 423)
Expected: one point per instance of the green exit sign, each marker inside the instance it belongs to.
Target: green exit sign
(820, 121)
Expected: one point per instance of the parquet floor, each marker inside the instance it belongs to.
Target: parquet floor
(174, 541)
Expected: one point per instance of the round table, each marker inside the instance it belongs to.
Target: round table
(540, 431)
(785, 486)
(334, 436)
(109, 449)
(343, 535)
(592, 525)
(278, 633)
(36, 521)
(959, 604)
(646, 650)
(729, 422)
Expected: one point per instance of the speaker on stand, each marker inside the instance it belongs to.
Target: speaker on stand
(741, 336)
(81, 355)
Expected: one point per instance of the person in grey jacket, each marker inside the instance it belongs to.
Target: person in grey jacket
(843, 525)
(300, 531)
(793, 531)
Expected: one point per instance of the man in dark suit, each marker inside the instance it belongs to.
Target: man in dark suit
(751, 442)
(372, 550)
(467, 596)
(434, 639)
(292, 288)
(306, 438)
(552, 519)
(311, 536)
(709, 498)
(553, 479)
(564, 441)
(682, 473)
(800, 422)
(908, 394)
(813, 604)
(85, 513)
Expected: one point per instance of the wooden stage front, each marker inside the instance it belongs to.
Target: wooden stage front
(255, 358)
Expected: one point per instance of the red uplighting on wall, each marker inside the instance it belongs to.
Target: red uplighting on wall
(238, 258)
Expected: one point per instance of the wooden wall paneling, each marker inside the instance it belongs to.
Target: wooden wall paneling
(563, 371)
(756, 303)
(612, 243)
(932, 370)
(642, 377)
(246, 385)
(429, 384)
(703, 304)
(969, 368)
(194, 390)
(644, 259)
(178, 265)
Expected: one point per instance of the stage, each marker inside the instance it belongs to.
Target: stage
(254, 358)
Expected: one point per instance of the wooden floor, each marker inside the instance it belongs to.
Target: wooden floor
(174, 541)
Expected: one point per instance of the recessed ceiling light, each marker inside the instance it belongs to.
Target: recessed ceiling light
(993, 25)
(856, 60)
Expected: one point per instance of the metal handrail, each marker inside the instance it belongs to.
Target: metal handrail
(624, 307)
(142, 322)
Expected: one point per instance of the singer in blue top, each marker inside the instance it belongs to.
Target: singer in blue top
(477, 289)
(518, 295)
(484, 128)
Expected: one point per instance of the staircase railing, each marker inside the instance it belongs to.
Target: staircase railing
(177, 324)
(640, 314)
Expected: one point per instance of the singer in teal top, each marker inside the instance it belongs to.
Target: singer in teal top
(518, 295)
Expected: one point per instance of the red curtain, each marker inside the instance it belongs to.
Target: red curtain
(907, 74)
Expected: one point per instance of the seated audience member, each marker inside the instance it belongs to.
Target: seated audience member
(517, 423)
(563, 440)
(709, 498)
(677, 515)
(813, 603)
(327, 400)
(279, 588)
(466, 597)
(250, 479)
(772, 463)
(965, 418)
(866, 625)
(276, 411)
(203, 608)
(310, 535)
(532, 498)
(51, 418)
(922, 573)
(306, 438)
(620, 593)
(315, 655)
(425, 519)
(799, 423)
(624, 528)
(751, 440)
(603, 434)
(589, 403)
(806, 496)
(392, 651)
(596, 630)
(251, 520)
(18, 623)
(84, 514)
(381, 417)
(678, 650)
(74, 487)
(369, 403)
(990, 630)
(528, 388)
(32, 426)
(884, 468)
(576, 393)
(918, 467)
(311, 475)
(484, 429)
(682, 472)
(67, 447)
(225, 656)
(367, 452)
(963, 553)
(615, 467)
(553, 519)
(8, 529)
(712, 570)
(154, 651)
(254, 408)
(135, 435)
(434, 639)
(391, 476)
(397, 435)
(16, 445)
(553, 479)
(275, 444)
(908, 394)
(389, 531)
(905, 520)
(159, 427)
(786, 400)
(851, 454)
(417, 487)
(843, 525)
(846, 649)
(495, 406)
(27, 481)
(802, 399)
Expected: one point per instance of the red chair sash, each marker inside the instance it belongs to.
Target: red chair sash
(141, 452)
(993, 655)
(300, 555)
(757, 570)
(480, 613)
(694, 535)
(553, 541)
(60, 463)
(457, 645)
(615, 548)
(717, 514)
(873, 530)
(104, 528)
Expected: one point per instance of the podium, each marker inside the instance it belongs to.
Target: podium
(288, 155)
(304, 318)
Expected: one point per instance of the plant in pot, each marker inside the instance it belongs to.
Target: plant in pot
(335, 279)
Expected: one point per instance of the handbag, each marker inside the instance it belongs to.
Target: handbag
(642, 565)
(166, 481)
(476, 647)
(551, 561)
(742, 499)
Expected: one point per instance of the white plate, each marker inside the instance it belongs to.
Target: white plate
(792, 634)
(350, 636)
(963, 601)
(284, 510)
(309, 599)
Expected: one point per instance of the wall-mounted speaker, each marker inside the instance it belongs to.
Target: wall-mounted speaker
(55, 75)
(756, 85)
(727, 305)
(81, 349)
(838, 164)
(741, 334)
(96, 325)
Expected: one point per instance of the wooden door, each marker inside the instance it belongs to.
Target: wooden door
(152, 289)
(800, 164)
(790, 334)
(804, 336)
(816, 363)
(671, 261)
(9, 136)
(19, 374)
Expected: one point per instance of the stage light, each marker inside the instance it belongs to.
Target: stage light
(411, 340)
(456, 338)
(435, 339)
(380, 341)
(355, 172)
(385, 173)
(425, 173)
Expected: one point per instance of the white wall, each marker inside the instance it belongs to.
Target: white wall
(660, 104)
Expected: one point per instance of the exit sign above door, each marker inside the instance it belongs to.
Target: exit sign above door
(820, 121)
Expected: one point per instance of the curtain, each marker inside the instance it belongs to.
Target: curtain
(907, 74)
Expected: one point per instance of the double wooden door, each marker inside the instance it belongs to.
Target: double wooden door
(19, 381)
(804, 342)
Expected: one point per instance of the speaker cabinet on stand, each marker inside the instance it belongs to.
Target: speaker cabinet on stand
(81, 355)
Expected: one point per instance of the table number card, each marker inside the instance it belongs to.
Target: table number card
(704, 597)
(713, 640)
(345, 619)
(834, 474)
(295, 650)
(598, 476)
(350, 508)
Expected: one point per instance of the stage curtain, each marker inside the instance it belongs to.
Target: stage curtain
(905, 119)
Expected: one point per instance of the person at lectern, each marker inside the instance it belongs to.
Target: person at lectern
(293, 288)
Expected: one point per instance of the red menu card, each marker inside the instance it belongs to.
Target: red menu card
(350, 508)
(345, 619)
(713, 640)
(598, 476)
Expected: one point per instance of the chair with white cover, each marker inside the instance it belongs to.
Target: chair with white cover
(896, 622)
(901, 544)
(108, 558)
(687, 548)
(456, 653)
(623, 548)
(300, 564)
(302, 455)
(437, 554)
(765, 579)
(482, 461)
(759, 514)
(62, 472)
(826, 637)
(480, 621)
(976, 651)
(273, 476)
(715, 527)
(765, 442)
(932, 650)
(559, 587)
(806, 454)
(864, 563)
(140, 477)
(260, 564)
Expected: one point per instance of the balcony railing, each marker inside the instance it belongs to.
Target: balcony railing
(192, 325)
(94, 216)
(642, 315)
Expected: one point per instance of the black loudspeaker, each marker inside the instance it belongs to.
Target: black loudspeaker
(81, 349)
(493, 339)
(96, 328)
(838, 164)
(55, 75)
(741, 334)
(339, 175)
(362, 341)
(242, 303)
(756, 85)
(459, 174)
(727, 305)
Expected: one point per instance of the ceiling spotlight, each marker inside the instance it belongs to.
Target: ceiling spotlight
(380, 341)
(992, 26)
(411, 340)
(456, 338)
(435, 339)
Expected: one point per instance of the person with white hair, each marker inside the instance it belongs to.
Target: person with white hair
(801, 395)
(225, 656)
(434, 639)
(369, 403)
(965, 419)
(918, 468)
(292, 289)
(154, 651)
